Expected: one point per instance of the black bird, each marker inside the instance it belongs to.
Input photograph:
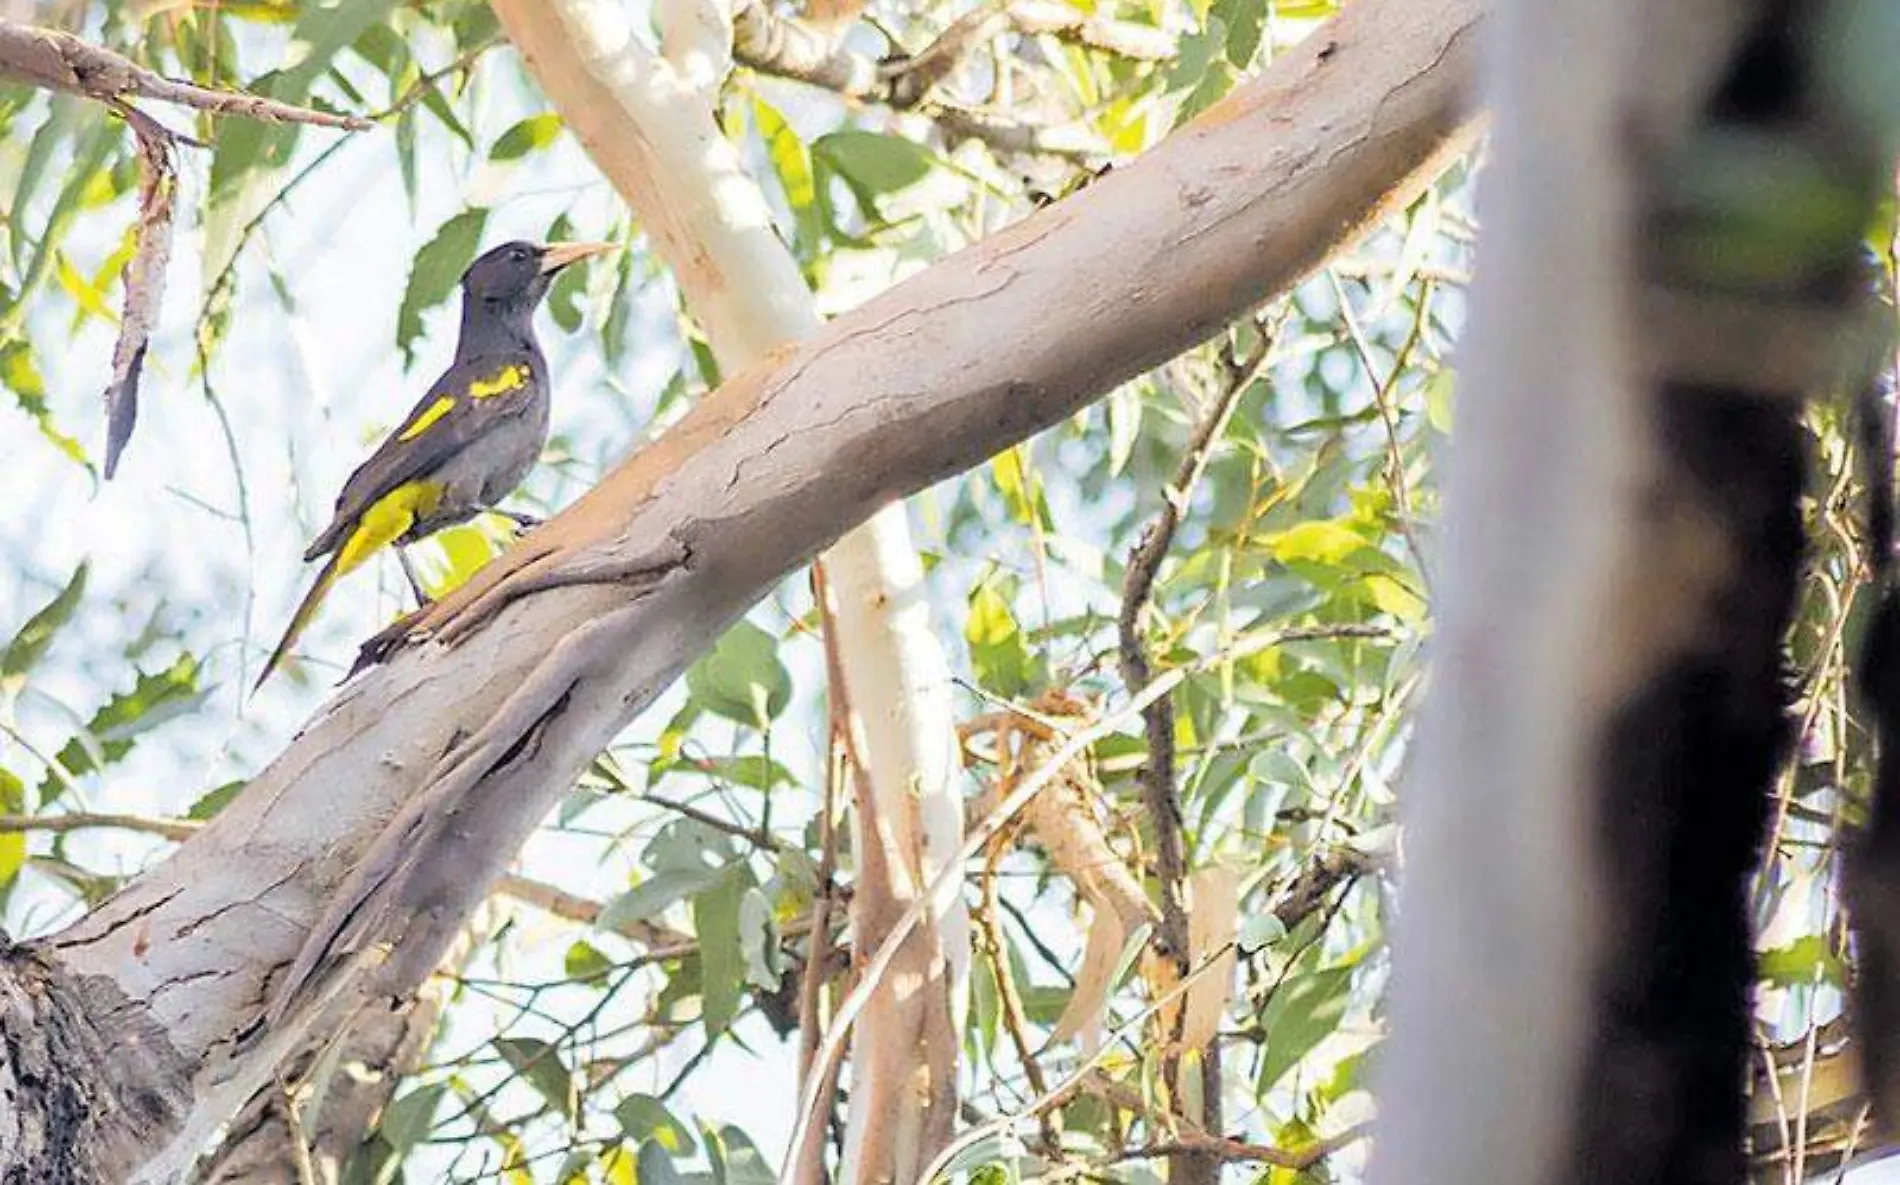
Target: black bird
(467, 444)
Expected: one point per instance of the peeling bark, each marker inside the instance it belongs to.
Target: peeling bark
(506, 690)
(88, 1082)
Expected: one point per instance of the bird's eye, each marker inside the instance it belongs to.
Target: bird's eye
(518, 253)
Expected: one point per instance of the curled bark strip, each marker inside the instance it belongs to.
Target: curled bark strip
(144, 279)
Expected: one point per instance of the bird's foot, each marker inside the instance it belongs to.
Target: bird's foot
(523, 522)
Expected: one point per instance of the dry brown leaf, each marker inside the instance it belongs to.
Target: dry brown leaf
(1093, 981)
(1213, 904)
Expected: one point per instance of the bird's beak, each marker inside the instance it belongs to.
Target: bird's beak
(556, 256)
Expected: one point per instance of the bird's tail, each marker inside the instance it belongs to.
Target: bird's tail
(307, 609)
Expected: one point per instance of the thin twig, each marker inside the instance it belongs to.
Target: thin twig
(1383, 389)
(173, 829)
(758, 837)
(1226, 1148)
(299, 1139)
(808, 1166)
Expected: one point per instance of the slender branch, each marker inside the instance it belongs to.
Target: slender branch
(1157, 775)
(1141, 43)
(1225, 1148)
(758, 837)
(1015, 1023)
(173, 829)
(787, 47)
(57, 60)
(808, 1161)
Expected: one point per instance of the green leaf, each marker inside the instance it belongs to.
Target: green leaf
(1259, 930)
(12, 844)
(530, 135)
(96, 145)
(997, 652)
(570, 285)
(651, 897)
(62, 121)
(655, 1167)
(735, 1159)
(1301, 1014)
(22, 377)
(30, 643)
(585, 964)
(791, 160)
(437, 270)
(758, 940)
(1245, 20)
(246, 146)
(722, 963)
(406, 1121)
(1320, 541)
(113, 729)
(753, 770)
(741, 678)
(539, 1063)
(873, 163)
(1806, 961)
(1438, 401)
(210, 803)
(645, 1118)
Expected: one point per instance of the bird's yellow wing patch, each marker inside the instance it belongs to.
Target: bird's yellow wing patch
(512, 377)
(386, 520)
(435, 411)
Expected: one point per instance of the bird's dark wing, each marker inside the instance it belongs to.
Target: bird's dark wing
(462, 405)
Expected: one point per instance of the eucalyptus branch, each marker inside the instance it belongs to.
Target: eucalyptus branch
(56, 60)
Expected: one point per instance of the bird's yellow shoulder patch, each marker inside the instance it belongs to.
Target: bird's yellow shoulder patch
(512, 377)
(386, 520)
(435, 411)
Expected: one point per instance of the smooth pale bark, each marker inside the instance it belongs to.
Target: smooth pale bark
(401, 800)
(896, 677)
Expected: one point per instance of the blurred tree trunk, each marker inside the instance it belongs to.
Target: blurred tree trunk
(1670, 264)
(336, 881)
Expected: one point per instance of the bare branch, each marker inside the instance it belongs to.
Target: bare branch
(175, 829)
(1142, 43)
(1157, 777)
(789, 48)
(57, 60)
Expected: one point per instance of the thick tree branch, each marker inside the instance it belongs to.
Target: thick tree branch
(480, 737)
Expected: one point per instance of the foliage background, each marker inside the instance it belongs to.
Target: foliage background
(310, 300)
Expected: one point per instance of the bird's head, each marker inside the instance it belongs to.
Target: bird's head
(513, 277)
